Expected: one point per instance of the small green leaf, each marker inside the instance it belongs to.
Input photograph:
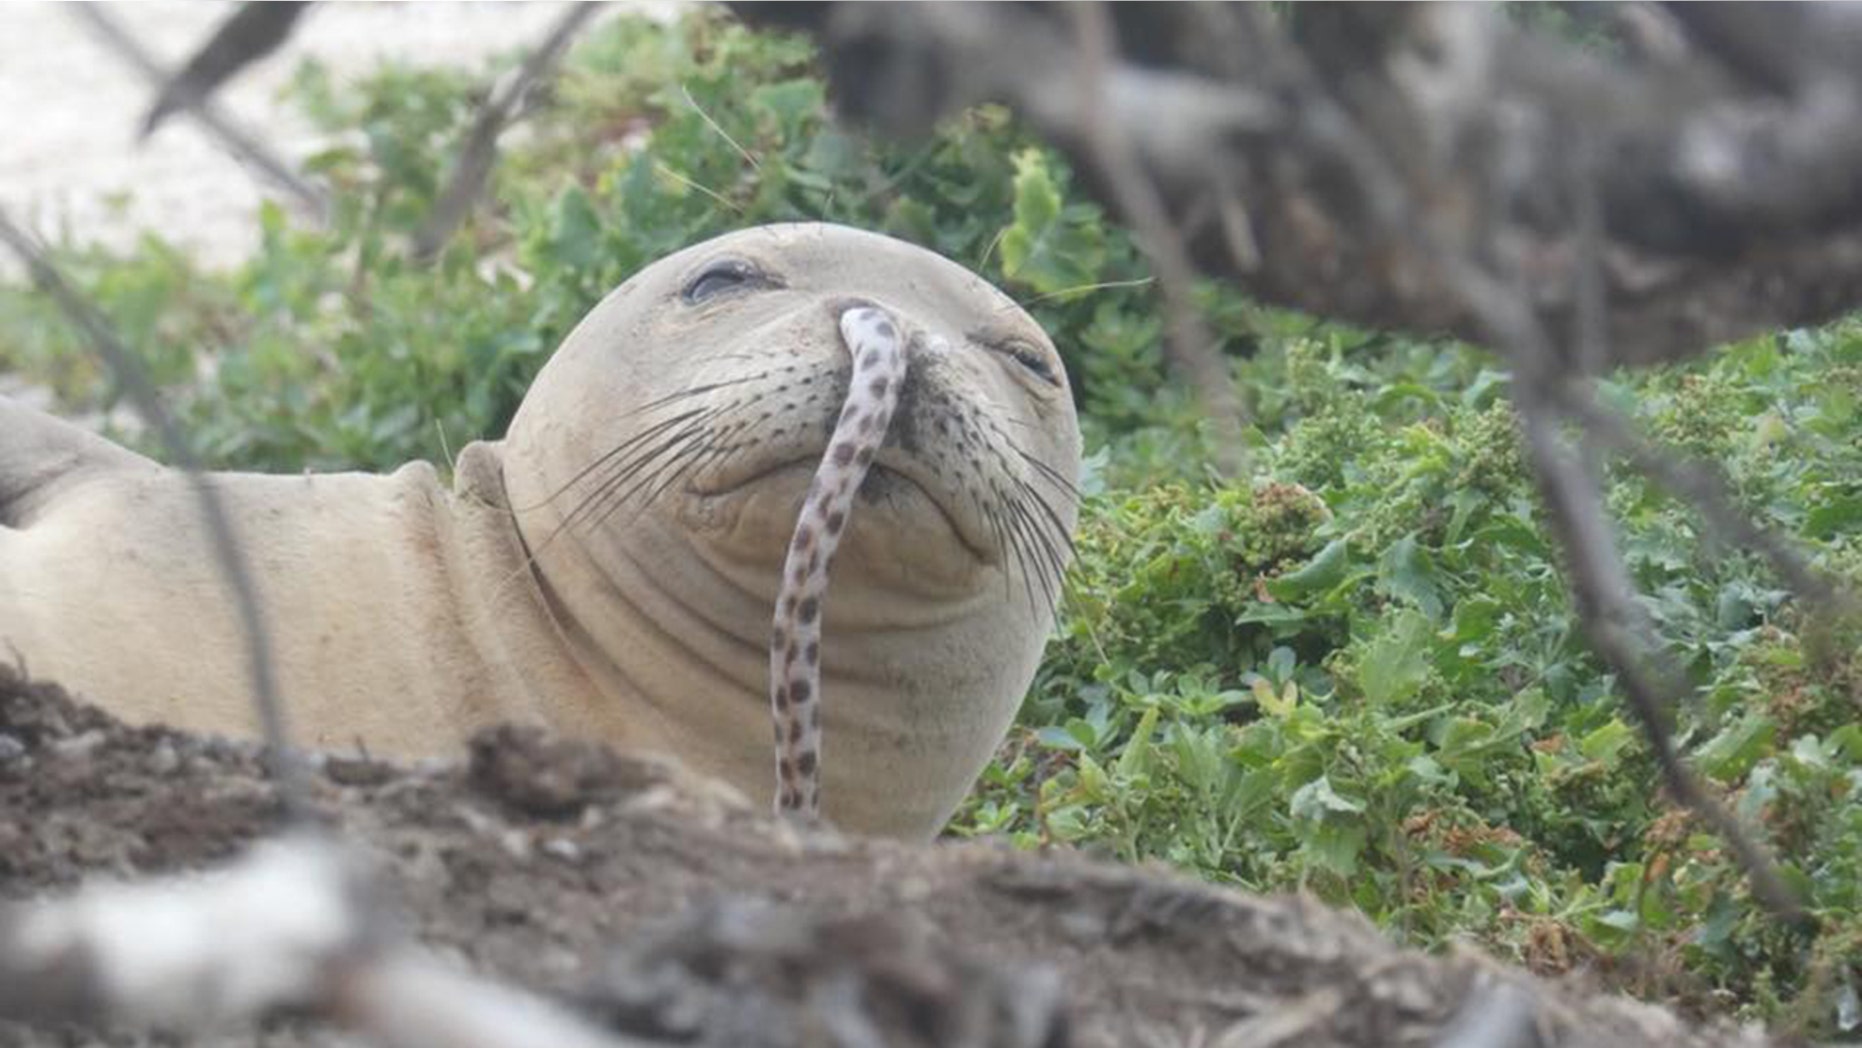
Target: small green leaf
(1406, 571)
(1276, 704)
(1335, 846)
(1396, 663)
(1316, 798)
(1474, 620)
(1280, 663)
(1325, 570)
(1464, 747)
(1607, 742)
(1737, 747)
(1136, 760)
(1841, 514)
(1047, 248)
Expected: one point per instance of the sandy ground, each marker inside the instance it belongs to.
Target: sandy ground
(69, 159)
(71, 166)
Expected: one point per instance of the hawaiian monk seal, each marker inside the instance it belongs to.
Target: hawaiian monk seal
(609, 568)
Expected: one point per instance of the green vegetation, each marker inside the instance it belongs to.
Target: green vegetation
(1355, 672)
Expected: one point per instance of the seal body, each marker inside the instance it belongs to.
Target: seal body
(610, 567)
(379, 591)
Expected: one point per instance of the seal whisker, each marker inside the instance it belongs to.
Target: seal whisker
(1056, 539)
(712, 414)
(622, 488)
(1047, 471)
(716, 449)
(586, 508)
(608, 456)
(695, 391)
(713, 446)
(617, 473)
(686, 461)
(1058, 542)
(1059, 531)
(614, 489)
(1053, 558)
(1047, 567)
(994, 520)
(1053, 476)
(1022, 550)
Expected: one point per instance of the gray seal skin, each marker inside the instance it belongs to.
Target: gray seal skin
(609, 568)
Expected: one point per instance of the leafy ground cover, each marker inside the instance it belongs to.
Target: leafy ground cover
(1354, 671)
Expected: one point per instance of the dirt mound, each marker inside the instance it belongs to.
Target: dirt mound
(668, 909)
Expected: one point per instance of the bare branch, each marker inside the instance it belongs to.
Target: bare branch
(1619, 632)
(238, 143)
(1612, 620)
(133, 379)
(1727, 208)
(1191, 348)
(480, 154)
(252, 32)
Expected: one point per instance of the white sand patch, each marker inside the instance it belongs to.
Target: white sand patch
(69, 159)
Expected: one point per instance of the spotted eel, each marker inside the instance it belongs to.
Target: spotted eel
(878, 348)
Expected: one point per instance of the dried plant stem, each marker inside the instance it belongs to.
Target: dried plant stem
(133, 379)
(241, 144)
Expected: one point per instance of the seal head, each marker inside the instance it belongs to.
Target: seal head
(657, 467)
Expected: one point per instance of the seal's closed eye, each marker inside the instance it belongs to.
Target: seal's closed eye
(1029, 357)
(722, 275)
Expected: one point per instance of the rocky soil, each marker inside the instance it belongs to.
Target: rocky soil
(668, 908)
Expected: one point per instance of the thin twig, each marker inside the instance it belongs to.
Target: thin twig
(287, 770)
(1607, 610)
(1190, 345)
(666, 169)
(1102, 285)
(1692, 480)
(748, 156)
(252, 32)
(240, 144)
(1614, 623)
(480, 154)
(1618, 631)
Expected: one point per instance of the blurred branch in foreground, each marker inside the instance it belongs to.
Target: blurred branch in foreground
(249, 34)
(473, 168)
(1441, 169)
(241, 144)
(1728, 206)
